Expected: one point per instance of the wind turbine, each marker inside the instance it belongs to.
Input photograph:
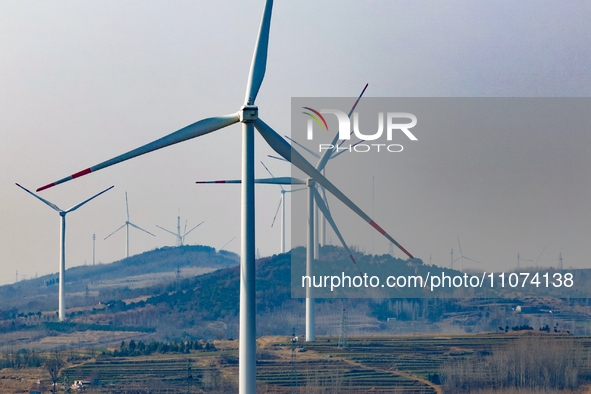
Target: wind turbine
(248, 116)
(462, 257)
(282, 205)
(126, 224)
(295, 181)
(288, 181)
(62, 213)
(180, 238)
(520, 259)
(312, 252)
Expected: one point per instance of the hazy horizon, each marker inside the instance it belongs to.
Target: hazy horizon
(85, 81)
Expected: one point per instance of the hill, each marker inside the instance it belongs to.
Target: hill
(179, 304)
(130, 277)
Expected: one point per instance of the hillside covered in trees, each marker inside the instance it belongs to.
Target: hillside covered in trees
(134, 276)
(192, 292)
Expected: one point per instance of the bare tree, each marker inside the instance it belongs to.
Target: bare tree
(54, 365)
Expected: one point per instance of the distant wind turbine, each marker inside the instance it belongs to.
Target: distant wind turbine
(288, 181)
(180, 238)
(282, 205)
(226, 244)
(462, 257)
(520, 259)
(127, 224)
(62, 213)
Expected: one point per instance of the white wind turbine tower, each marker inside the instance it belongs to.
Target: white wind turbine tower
(180, 237)
(62, 213)
(126, 225)
(248, 116)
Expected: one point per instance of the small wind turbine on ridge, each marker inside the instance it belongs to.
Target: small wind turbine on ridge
(127, 224)
(180, 238)
(462, 257)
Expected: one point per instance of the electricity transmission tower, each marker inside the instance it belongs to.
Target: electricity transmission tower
(343, 336)
(178, 278)
(189, 376)
(293, 379)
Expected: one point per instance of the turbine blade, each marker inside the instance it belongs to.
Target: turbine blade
(52, 205)
(139, 228)
(286, 180)
(295, 190)
(276, 158)
(324, 197)
(326, 212)
(196, 129)
(328, 153)
(270, 173)
(459, 246)
(468, 258)
(126, 206)
(259, 58)
(316, 155)
(193, 228)
(284, 149)
(220, 182)
(115, 231)
(226, 244)
(540, 255)
(75, 207)
(345, 150)
(277, 211)
(162, 228)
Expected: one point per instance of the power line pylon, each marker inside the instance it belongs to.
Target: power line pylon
(343, 336)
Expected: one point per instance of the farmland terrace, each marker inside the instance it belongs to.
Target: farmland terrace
(378, 364)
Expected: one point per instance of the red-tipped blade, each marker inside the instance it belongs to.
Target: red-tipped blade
(284, 149)
(328, 216)
(222, 181)
(196, 129)
(286, 180)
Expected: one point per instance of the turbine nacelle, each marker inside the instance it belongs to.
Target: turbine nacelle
(248, 113)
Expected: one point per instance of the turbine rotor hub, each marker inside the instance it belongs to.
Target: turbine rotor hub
(249, 113)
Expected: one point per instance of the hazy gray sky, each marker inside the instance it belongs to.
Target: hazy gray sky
(81, 82)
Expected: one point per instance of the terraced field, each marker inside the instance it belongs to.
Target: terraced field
(196, 372)
(394, 364)
(424, 355)
(337, 376)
